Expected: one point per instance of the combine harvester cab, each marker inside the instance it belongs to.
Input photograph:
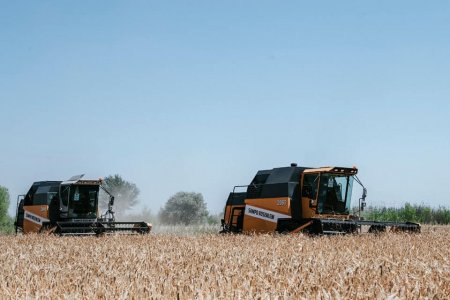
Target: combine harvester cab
(69, 208)
(299, 199)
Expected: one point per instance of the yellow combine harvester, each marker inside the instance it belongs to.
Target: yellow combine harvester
(69, 208)
(299, 199)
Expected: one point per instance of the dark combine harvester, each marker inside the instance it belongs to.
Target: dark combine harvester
(299, 199)
(69, 208)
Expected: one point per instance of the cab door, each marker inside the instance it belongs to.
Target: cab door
(310, 187)
(64, 201)
(35, 208)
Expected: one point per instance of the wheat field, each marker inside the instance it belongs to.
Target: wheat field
(213, 266)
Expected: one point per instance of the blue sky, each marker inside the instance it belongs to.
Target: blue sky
(199, 95)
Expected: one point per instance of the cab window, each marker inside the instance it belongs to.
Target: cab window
(310, 185)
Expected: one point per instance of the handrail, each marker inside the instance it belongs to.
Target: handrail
(17, 210)
(230, 218)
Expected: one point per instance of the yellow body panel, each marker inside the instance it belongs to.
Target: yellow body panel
(34, 216)
(307, 211)
(349, 171)
(252, 224)
(279, 204)
(318, 170)
(261, 215)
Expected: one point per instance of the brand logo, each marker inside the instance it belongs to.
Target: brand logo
(281, 202)
(34, 218)
(264, 214)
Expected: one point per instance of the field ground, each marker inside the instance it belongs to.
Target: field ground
(212, 266)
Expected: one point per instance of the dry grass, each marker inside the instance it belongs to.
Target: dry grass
(227, 267)
(186, 230)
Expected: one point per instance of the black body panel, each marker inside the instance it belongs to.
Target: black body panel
(279, 182)
(236, 198)
(37, 194)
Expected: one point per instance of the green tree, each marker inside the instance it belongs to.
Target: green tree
(6, 222)
(442, 216)
(184, 208)
(125, 194)
(408, 213)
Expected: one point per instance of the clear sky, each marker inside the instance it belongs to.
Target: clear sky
(199, 95)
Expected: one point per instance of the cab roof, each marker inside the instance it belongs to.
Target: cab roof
(342, 170)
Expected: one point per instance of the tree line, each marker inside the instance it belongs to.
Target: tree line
(408, 213)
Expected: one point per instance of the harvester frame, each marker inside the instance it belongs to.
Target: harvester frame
(301, 199)
(70, 208)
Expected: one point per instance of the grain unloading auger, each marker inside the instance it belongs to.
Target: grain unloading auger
(70, 208)
(299, 199)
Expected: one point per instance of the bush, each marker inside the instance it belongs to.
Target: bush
(184, 208)
(6, 222)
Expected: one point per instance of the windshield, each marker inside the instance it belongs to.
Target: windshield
(79, 201)
(335, 192)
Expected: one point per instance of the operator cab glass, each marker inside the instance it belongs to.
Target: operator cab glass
(335, 192)
(79, 201)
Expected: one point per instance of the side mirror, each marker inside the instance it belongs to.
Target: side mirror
(363, 199)
(363, 205)
(364, 194)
